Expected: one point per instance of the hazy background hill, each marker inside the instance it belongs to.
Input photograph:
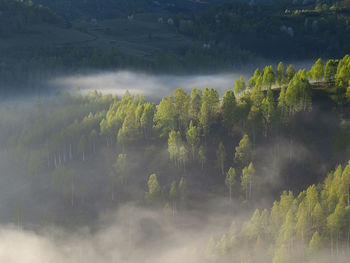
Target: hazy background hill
(41, 39)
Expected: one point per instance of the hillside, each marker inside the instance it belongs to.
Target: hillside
(39, 44)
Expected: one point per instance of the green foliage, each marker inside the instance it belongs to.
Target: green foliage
(153, 194)
(268, 111)
(268, 76)
(253, 81)
(147, 119)
(174, 146)
(220, 157)
(315, 244)
(230, 180)
(317, 70)
(209, 109)
(181, 107)
(247, 180)
(281, 74)
(243, 153)
(298, 93)
(317, 219)
(290, 72)
(196, 103)
(193, 139)
(239, 85)
(164, 118)
(202, 156)
(16, 16)
(228, 109)
(330, 69)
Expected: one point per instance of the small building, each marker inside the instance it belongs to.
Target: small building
(160, 20)
(93, 21)
(131, 17)
(170, 21)
(206, 46)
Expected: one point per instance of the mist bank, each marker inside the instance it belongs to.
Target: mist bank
(153, 87)
(35, 83)
(135, 234)
(131, 234)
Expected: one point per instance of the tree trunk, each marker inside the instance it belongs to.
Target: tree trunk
(70, 152)
(72, 192)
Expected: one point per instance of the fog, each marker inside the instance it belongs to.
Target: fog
(151, 86)
(132, 234)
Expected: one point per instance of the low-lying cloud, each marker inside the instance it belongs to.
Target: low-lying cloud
(131, 235)
(152, 86)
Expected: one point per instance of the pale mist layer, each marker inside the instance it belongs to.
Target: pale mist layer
(132, 234)
(151, 86)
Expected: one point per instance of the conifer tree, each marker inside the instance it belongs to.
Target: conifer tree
(230, 180)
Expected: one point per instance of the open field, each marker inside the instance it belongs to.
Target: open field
(142, 37)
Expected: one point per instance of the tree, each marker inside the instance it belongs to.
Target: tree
(183, 156)
(181, 107)
(205, 119)
(257, 96)
(182, 190)
(303, 224)
(228, 109)
(330, 69)
(315, 244)
(317, 70)
(82, 146)
(196, 102)
(346, 180)
(209, 109)
(268, 110)
(220, 157)
(268, 76)
(239, 85)
(243, 154)
(247, 180)
(128, 132)
(118, 175)
(147, 119)
(93, 136)
(35, 161)
(120, 168)
(202, 156)
(335, 223)
(173, 195)
(290, 72)
(254, 79)
(153, 193)
(164, 117)
(282, 255)
(282, 105)
(286, 234)
(63, 179)
(347, 95)
(281, 74)
(230, 180)
(298, 96)
(193, 138)
(174, 145)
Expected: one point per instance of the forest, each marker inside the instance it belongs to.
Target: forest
(283, 134)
